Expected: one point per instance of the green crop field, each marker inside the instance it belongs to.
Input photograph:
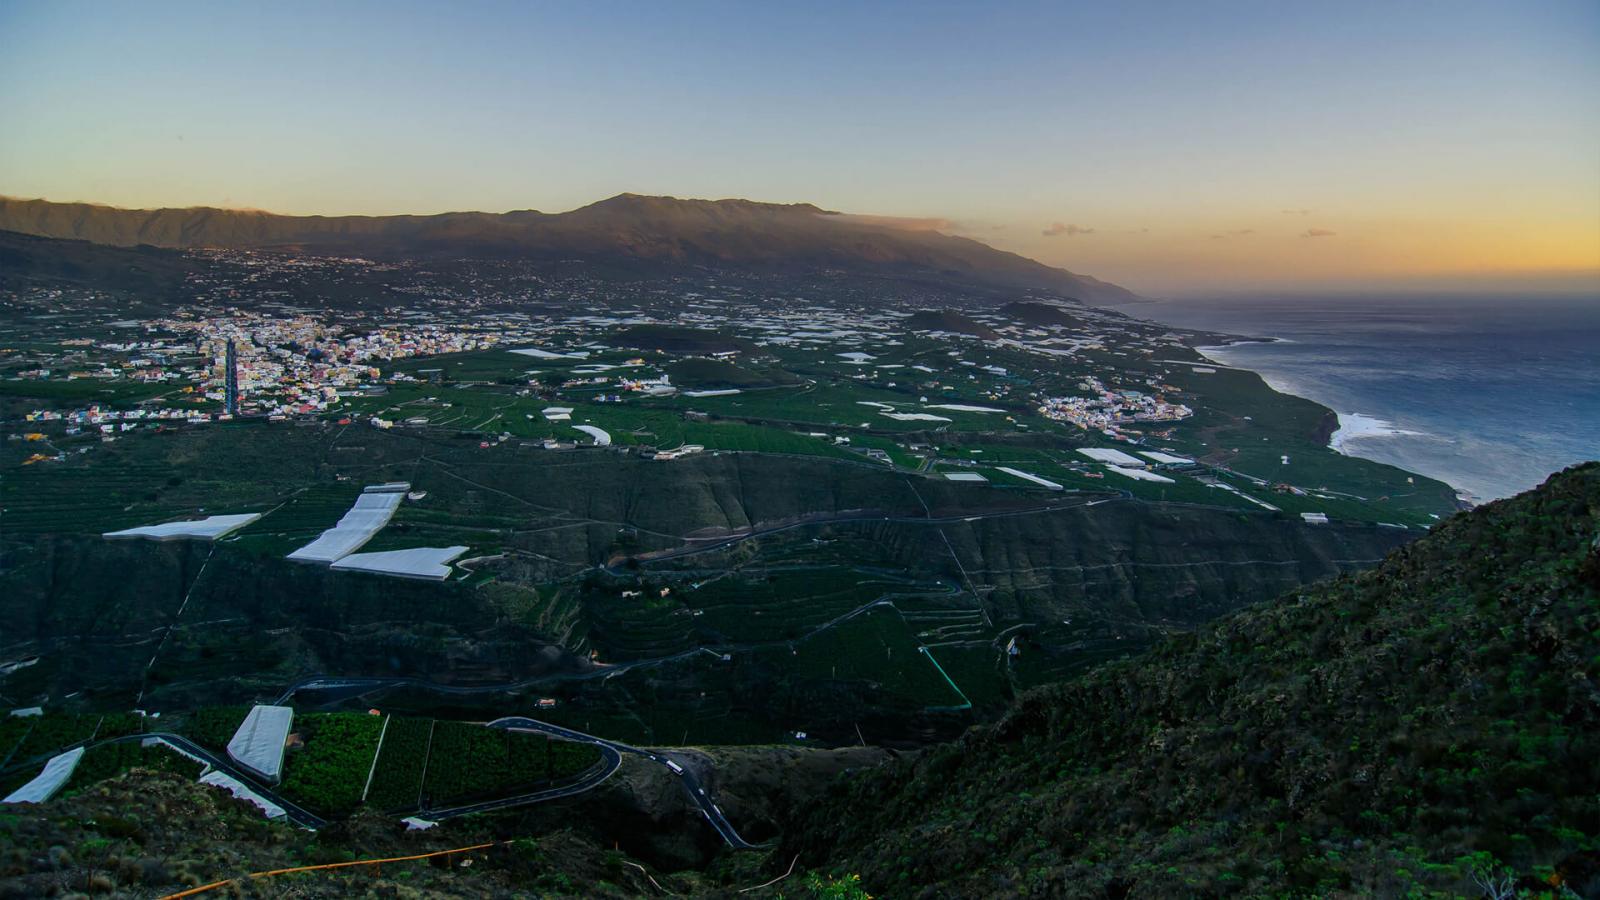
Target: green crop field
(397, 780)
(471, 762)
(328, 774)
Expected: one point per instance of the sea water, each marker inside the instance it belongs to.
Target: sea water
(1489, 395)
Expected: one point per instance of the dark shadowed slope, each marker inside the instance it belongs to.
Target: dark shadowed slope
(1390, 733)
(625, 228)
(26, 259)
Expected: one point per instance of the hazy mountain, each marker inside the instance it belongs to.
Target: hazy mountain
(625, 228)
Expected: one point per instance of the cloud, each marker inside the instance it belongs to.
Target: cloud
(1295, 212)
(1237, 232)
(901, 223)
(1317, 232)
(1058, 228)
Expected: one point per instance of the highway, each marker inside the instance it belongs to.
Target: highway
(691, 784)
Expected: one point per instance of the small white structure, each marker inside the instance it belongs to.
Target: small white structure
(1114, 457)
(536, 353)
(366, 518)
(1314, 518)
(965, 476)
(1025, 476)
(208, 529)
(258, 744)
(1166, 458)
(602, 438)
(45, 785)
(430, 563)
(241, 790)
(558, 413)
(1140, 474)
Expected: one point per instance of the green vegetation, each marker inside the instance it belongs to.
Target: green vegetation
(397, 780)
(214, 726)
(1390, 733)
(470, 762)
(110, 760)
(328, 774)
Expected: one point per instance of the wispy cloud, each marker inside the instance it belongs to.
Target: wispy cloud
(905, 223)
(1295, 212)
(1317, 232)
(1059, 228)
(1237, 232)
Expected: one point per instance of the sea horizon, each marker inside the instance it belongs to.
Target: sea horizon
(1490, 394)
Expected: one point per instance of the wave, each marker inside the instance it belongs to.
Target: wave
(1356, 427)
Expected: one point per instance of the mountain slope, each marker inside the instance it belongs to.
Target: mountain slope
(628, 227)
(1392, 732)
(28, 259)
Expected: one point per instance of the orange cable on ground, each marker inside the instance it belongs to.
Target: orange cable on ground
(339, 865)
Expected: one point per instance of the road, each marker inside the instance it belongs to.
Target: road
(295, 813)
(697, 791)
(610, 760)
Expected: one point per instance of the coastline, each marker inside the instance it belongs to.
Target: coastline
(1347, 428)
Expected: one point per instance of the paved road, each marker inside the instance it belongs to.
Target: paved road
(295, 813)
(697, 791)
(610, 762)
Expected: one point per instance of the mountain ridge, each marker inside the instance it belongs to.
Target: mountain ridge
(632, 228)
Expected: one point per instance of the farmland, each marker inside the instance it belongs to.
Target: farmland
(471, 762)
(402, 762)
(785, 555)
(327, 774)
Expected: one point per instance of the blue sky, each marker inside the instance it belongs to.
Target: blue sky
(1425, 143)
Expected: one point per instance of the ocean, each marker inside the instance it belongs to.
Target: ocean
(1489, 395)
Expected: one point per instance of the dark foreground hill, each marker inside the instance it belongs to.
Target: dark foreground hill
(1394, 733)
(626, 228)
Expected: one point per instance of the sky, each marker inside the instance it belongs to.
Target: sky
(1174, 148)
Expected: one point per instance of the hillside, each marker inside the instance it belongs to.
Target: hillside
(626, 228)
(1390, 733)
(27, 259)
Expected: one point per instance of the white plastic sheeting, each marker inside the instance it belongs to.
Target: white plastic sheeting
(370, 513)
(964, 407)
(46, 783)
(1166, 458)
(964, 476)
(432, 563)
(717, 392)
(258, 744)
(208, 529)
(536, 353)
(1107, 455)
(241, 790)
(601, 437)
(1025, 476)
(1139, 474)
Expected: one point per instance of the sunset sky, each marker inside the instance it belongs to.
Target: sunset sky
(1170, 147)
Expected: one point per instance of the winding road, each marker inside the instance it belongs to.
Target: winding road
(690, 782)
